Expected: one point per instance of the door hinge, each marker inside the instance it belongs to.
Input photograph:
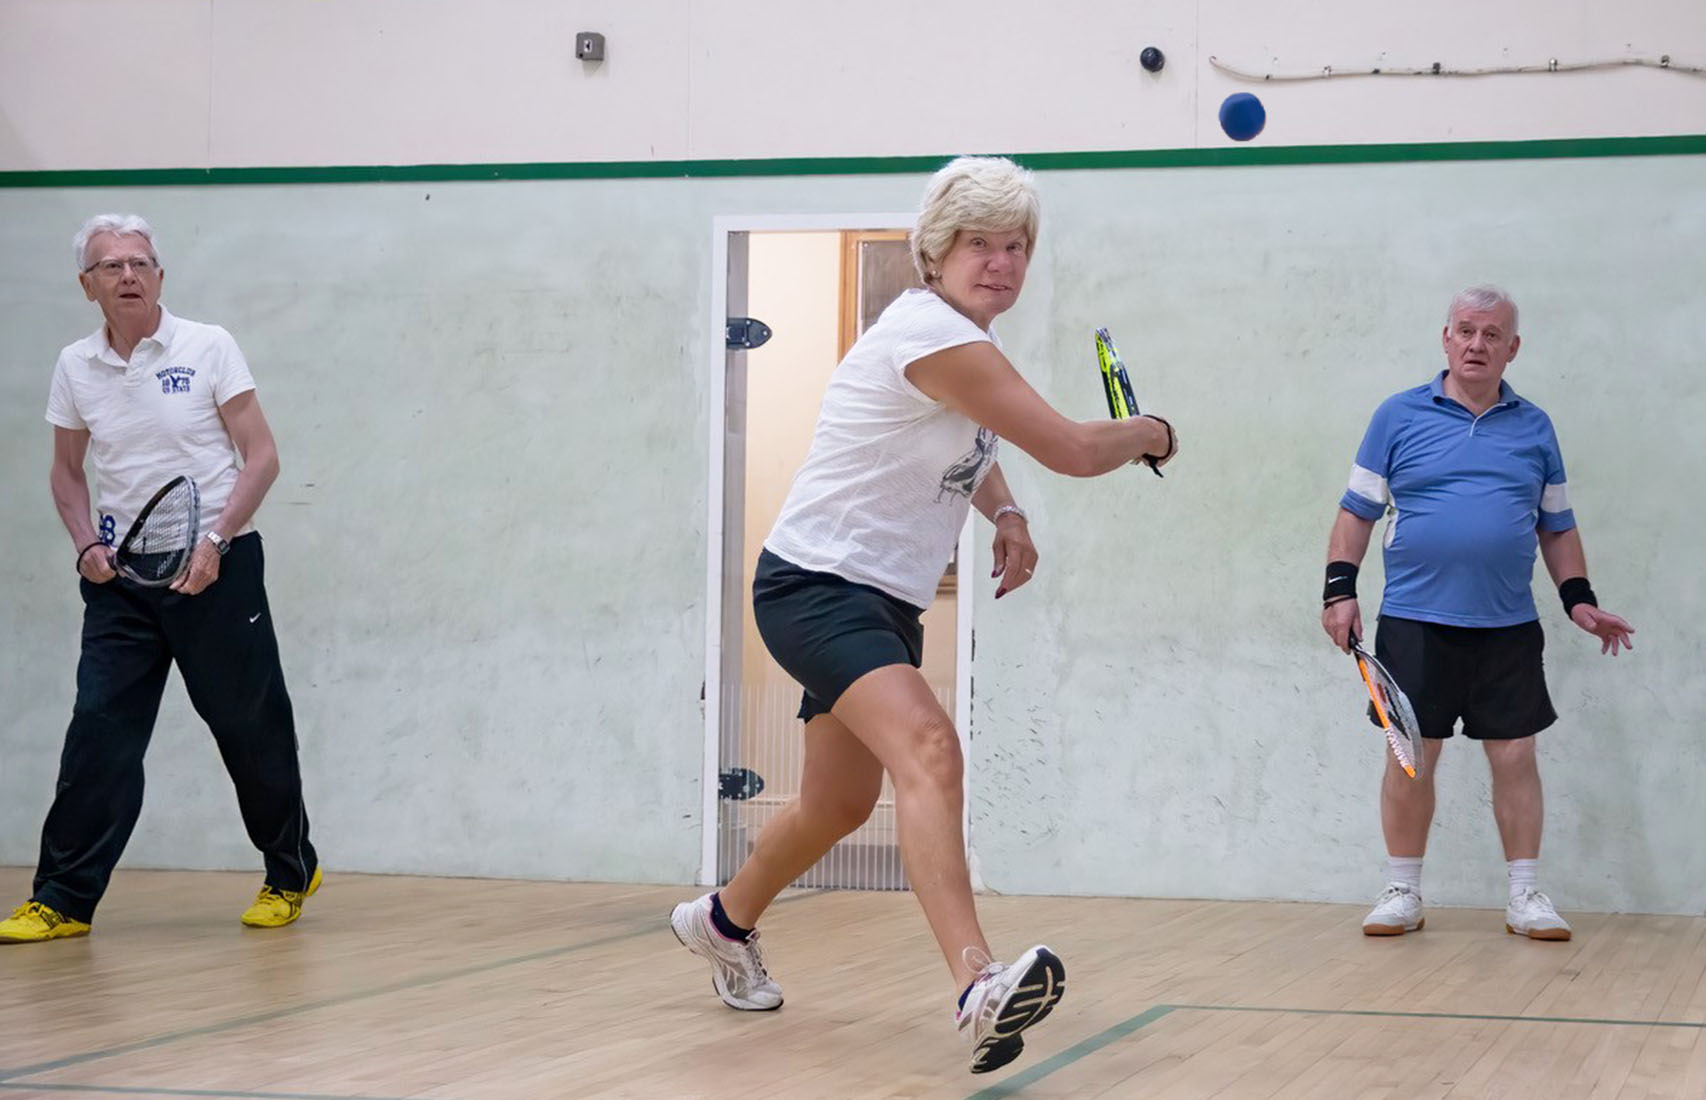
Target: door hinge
(746, 333)
(739, 784)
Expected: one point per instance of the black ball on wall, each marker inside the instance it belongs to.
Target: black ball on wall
(1152, 59)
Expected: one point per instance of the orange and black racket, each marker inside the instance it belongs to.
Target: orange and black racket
(1390, 709)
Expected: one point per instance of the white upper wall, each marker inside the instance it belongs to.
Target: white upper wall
(113, 84)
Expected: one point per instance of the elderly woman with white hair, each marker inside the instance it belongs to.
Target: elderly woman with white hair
(905, 443)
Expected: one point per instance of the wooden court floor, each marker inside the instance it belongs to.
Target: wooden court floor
(393, 987)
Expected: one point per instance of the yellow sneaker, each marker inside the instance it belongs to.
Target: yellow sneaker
(277, 908)
(33, 921)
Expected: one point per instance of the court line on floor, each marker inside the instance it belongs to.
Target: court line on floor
(127, 1090)
(1697, 1026)
(1071, 1054)
(1082, 1050)
(419, 982)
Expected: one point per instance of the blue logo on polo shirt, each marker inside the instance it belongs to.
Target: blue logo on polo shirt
(175, 379)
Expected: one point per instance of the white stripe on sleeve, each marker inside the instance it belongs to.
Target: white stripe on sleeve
(1555, 498)
(1369, 485)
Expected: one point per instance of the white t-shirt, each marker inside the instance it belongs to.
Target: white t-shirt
(891, 472)
(152, 418)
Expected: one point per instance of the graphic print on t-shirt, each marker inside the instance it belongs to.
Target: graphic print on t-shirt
(961, 478)
(175, 379)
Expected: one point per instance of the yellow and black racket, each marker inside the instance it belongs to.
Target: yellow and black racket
(1390, 709)
(1117, 386)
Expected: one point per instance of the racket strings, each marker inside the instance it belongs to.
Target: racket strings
(1392, 709)
(167, 527)
(160, 544)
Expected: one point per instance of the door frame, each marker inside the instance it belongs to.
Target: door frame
(716, 352)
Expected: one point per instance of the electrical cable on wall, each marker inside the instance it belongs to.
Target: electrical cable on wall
(1328, 72)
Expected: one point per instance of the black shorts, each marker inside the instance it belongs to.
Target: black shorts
(1491, 677)
(826, 631)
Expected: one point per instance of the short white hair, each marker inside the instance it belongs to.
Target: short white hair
(122, 225)
(988, 193)
(1481, 299)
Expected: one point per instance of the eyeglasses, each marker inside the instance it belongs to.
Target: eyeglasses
(114, 268)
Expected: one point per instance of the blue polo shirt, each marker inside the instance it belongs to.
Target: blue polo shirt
(1468, 494)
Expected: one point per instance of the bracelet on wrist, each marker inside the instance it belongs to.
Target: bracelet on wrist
(1009, 510)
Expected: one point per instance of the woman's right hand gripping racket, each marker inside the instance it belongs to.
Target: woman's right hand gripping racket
(1390, 709)
(157, 549)
(1116, 385)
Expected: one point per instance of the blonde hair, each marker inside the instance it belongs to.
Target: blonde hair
(122, 225)
(988, 193)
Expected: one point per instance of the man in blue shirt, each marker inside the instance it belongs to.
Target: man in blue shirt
(1476, 483)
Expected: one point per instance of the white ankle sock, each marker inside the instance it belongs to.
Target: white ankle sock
(1522, 873)
(1405, 869)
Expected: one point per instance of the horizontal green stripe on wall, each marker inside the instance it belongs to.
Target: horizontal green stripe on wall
(1678, 145)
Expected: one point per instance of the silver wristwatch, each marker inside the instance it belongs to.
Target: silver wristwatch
(220, 542)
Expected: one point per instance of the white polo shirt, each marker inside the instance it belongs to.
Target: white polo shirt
(152, 418)
(891, 472)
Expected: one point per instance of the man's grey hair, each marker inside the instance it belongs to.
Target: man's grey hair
(1481, 299)
(988, 193)
(120, 224)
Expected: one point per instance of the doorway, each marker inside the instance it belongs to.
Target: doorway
(815, 284)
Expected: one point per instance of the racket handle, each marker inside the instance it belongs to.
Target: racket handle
(1153, 468)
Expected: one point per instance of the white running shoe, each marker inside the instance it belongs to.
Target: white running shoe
(1396, 911)
(1531, 914)
(737, 968)
(1004, 1001)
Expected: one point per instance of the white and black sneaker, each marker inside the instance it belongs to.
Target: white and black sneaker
(1004, 1000)
(737, 966)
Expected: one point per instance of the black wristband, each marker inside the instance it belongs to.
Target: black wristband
(1574, 591)
(1341, 582)
(79, 565)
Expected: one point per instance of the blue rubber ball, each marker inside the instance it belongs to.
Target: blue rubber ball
(1242, 116)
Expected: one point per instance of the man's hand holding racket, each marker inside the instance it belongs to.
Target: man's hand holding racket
(1342, 620)
(203, 570)
(95, 563)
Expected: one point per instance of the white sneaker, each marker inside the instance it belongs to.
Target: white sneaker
(1396, 911)
(737, 968)
(1005, 1000)
(1531, 914)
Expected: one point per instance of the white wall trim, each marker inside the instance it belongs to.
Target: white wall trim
(965, 594)
(716, 433)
